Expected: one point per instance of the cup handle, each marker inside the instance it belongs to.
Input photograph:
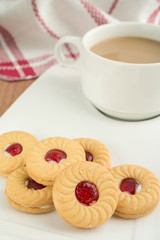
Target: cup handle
(77, 41)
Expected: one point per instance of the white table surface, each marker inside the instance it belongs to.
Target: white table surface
(55, 106)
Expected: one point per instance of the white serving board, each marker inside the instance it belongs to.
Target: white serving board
(55, 106)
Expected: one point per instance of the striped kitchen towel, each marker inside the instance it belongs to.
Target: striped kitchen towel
(29, 29)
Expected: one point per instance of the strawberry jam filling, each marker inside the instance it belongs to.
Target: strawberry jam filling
(14, 149)
(129, 185)
(55, 156)
(89, 157)
(86, 193)
(31, 184)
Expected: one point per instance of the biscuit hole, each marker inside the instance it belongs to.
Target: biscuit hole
(86, 193)
(55, 156)
(31, 184)
(89, 156)
(130, 185)
(13, 149)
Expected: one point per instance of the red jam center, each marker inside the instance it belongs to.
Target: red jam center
(55, 155)
(86, 193)
(89, 157)
(31, 184)
(14, 149)
(129, 185)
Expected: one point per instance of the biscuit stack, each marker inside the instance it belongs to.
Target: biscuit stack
(74, 177)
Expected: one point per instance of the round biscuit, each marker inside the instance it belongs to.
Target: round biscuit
(9, 163)
(66, 203)
(98, 150)
(141, 203)
(43, 171)
(25, 199)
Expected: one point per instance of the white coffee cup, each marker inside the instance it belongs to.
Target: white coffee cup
(122, 90)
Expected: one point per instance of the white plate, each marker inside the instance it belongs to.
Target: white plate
(55, 106)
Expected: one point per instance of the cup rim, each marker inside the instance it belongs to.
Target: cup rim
(116, 24)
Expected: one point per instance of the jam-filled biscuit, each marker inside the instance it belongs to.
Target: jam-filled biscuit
(95, 151)
(26, 195)
(13, 147)
(49, 156)
(85, 194)
(139, 191)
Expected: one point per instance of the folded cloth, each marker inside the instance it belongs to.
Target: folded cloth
(29, 29)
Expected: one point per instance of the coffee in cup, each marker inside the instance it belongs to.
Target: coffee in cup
(129, 49)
